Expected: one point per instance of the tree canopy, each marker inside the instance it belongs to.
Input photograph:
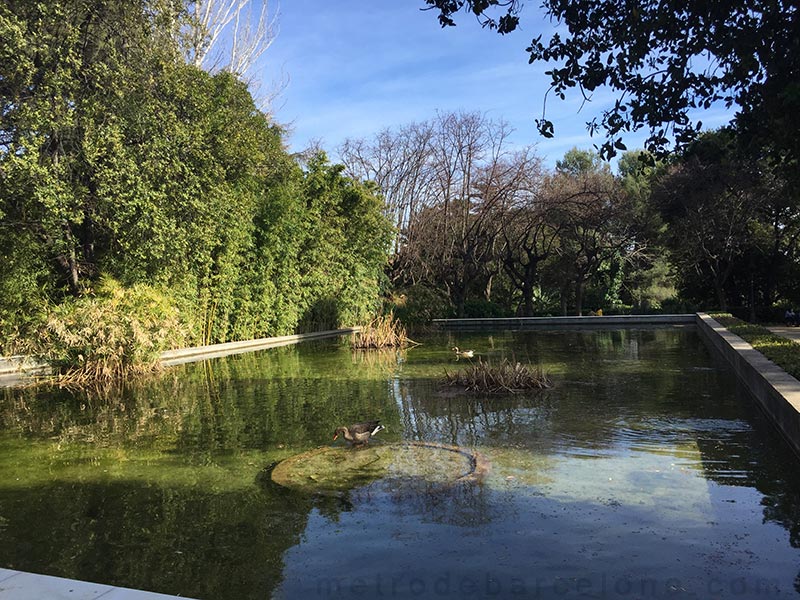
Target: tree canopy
(664, 59)
(121, 162)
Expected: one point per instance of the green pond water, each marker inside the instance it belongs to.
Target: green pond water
(645, 472)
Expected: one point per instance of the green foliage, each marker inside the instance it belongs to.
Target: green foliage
(730, 224)
(664, 61)
(577, 162)
(115, 332)
(118, 159)
(420, 304)
(782, 351)
(479, 308)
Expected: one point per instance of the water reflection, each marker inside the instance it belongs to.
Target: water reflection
(645, 472)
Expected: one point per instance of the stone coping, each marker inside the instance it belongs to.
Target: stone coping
(184, 355)
(19, 585)
(14, 369)
(584, 322)
(776, 392)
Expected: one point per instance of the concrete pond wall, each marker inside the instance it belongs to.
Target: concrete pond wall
(776, 392)
(603, 322)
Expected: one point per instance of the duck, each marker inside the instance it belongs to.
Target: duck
(358, 434)
(463, 353)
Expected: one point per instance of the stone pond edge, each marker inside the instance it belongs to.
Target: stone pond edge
(14, 369)
(776, 392)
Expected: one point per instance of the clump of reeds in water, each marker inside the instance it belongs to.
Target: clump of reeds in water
(381, 332)
(506, 377)
(115, 334)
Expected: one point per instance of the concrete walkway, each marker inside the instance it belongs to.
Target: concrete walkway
(793, 333)
(18, 585)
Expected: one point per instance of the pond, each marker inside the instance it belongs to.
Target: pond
(644, 472)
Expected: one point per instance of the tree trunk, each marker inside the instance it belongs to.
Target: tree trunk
(527, 299)
(719, 290)
(579, 282)
(564, 298)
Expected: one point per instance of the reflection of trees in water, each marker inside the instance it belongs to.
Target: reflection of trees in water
(753, 455)
(382, 360)
(176, 541)
(462, 503)
(249, 401)
(601, 380)
(467, 419)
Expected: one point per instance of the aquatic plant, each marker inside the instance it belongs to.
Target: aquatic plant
(506, 377)
(114, 333)
(384, 331)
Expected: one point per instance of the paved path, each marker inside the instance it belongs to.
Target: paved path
(18, 585)
(793, 333)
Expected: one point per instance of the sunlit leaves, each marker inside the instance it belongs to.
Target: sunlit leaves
(664, 59)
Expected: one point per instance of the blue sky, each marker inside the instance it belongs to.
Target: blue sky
(355, 67)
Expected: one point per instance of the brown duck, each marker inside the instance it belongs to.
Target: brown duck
(358, 434)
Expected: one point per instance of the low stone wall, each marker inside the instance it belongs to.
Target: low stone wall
(604, 322)
(22, 364)
(777, 392)
(184, 355)
(14, 369)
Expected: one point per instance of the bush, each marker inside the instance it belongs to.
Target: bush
(382, 332)
(483, 309)
(419, 305)
(112, 334)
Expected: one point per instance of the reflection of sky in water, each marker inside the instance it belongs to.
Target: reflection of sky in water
(624, 525)
(633, 480)
(644, 473)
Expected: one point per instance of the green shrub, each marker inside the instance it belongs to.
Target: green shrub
(483, 309)
(116, 332)
(419, 305)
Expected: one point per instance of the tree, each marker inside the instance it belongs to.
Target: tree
(119, 161)
(592, 216)
(664, 60)
(76, 74)
(709, 201)
(648, 279)
(446, 182)
(400, 164)
(229, 34)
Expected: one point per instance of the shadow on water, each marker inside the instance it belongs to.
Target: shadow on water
(644, 472)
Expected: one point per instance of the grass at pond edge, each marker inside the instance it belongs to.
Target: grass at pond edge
(783, 352)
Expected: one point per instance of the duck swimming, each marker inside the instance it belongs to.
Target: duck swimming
(358, 434)
(463, 353)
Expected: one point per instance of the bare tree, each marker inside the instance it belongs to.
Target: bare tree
(399, 162)
(448, 183)
(230, 34)
(593, 217)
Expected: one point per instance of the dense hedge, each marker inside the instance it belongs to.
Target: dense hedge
(120, 162)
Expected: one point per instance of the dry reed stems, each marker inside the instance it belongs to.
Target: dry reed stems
(507, 377)
(382, 332)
